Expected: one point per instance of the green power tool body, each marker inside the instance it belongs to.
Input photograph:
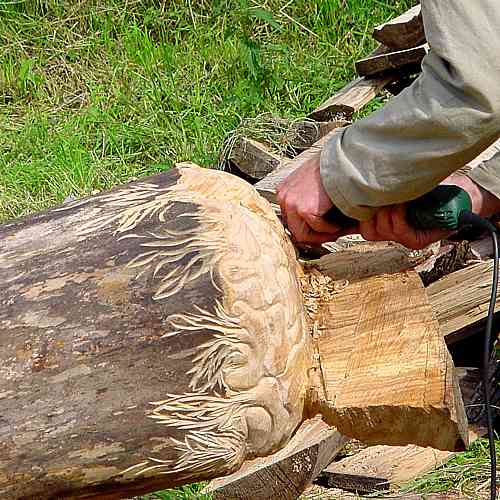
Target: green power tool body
(445, 207)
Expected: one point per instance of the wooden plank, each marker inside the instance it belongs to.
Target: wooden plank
(386, 376)
(403, 32)
(392, 61)
(285, 475)
(256, 160)
(462, 298)
(267, 186)
(351, 98)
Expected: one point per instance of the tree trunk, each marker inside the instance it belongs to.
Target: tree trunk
(157, 335)
(151, 336)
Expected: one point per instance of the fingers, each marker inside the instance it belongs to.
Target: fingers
(390, 224)
(302, 232)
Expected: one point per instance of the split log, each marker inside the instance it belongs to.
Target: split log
(156, 335)
(351, 98)
(373, 393)
(380, 468)
(403, 32)
(408, 60)
(285, 475)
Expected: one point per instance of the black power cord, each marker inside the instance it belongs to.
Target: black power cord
(471, 219)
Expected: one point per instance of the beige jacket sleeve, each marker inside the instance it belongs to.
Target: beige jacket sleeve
(449, 115)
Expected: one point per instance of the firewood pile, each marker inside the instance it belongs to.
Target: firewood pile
(456, 275)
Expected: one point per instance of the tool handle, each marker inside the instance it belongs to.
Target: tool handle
(441, 208)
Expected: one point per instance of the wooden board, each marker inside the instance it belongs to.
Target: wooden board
(386, 375)
(351, 98)
(267, 186)
(392, 61)
(403, 32)
(256, 160)
(285, 475)
(377, 468)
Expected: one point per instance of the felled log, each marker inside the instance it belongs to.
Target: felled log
(408, 59)
(286, 474)
(151, 336)
(156, 335)
(403, 32)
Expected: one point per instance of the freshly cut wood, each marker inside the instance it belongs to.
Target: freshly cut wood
(403, 32)
(385, 373)
(462, 298)
(351, 98)
(286, 474)
(254, 158)
(151, 336)
(408, 59)
(369, 258)
(379, 468)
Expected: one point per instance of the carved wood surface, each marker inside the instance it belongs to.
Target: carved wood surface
(151, 336)
(285, 475)
(392, 61)
(403, 32)
(386, 376)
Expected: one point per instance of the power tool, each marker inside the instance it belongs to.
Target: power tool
(450, 207)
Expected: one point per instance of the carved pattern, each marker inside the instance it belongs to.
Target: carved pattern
(248, 379)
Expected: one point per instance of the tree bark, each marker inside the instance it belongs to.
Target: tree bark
(157, 335)
(151, 336)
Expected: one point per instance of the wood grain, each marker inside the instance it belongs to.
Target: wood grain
(285, 475)
(403, 32)
(386, 375)
(462, 298)
(379, 468)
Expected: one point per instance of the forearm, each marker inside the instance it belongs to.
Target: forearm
(442, 121)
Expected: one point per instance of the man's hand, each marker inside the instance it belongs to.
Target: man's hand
(390, 224)
(304, 201)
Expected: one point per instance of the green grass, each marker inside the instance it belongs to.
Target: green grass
(468, 473)
(93, 93)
